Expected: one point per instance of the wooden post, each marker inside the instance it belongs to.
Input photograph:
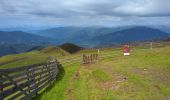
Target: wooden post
(98, 54)
(34, 81)
(151, 45)
(88, 60)
(48, 69)
(1, 88)
(55, 64)
(28, 78)
(91, 58)
(51, 64)
(83, 58)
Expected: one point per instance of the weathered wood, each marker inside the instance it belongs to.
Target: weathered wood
(90, 58)
(27, 97)
(39, 82)
(27, 81)
(24, 75)
(11, 83)
(1, 88)
(44, 82)
(22, 79)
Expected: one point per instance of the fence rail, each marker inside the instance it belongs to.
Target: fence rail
(25, 82)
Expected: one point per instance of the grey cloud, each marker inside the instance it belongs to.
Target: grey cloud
(80, 12)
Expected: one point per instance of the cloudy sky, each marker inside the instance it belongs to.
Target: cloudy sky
(16, 13)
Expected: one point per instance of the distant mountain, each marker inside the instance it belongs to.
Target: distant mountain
(92, 36)
(5, 50)
(130, 35)
(164, 28)
(19, 37)
(18, 41)
(77, 35)
(14, 48)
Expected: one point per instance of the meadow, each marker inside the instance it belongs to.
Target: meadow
(144, 75)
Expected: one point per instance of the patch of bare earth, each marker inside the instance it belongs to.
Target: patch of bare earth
(76, 75)
(70, 89)
(141, 71)
(114, 84)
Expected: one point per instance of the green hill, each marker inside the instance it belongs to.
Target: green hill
(54, 49)
(71, 48)
(144, 75)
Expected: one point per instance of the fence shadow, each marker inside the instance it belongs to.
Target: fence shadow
(58, 78)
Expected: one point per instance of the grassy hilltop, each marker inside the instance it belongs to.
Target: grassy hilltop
(144, 75)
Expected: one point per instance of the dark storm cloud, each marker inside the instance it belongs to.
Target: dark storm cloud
(81, 12)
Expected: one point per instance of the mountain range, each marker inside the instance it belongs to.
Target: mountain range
(131, 35)
(19, 37)
(19, 41)
(98, 36)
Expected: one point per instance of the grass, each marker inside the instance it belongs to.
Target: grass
(57, 91)
(100, 74)
(31, 58)
(144, 75)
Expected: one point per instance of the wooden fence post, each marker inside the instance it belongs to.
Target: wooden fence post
(83, 59)
(50, 65)
(34, 81)
(91, 58)
(48, 69)
(31, 78)
(1, 88)
(28, 79)
(86, 59)
(54, 66)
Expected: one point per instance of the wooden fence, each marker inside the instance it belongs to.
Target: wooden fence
(89, 58)
(25, 82)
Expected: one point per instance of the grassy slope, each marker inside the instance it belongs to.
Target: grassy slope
(143, 75)
(32, 57)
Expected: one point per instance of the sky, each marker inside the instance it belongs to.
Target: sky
(43, 13)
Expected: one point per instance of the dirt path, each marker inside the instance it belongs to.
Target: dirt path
(70, 88)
